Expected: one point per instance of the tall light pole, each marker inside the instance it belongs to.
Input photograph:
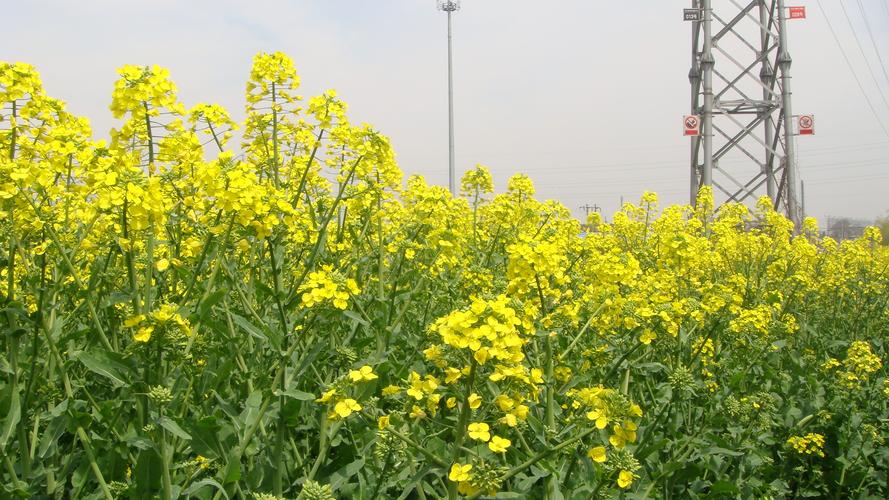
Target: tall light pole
(450, 6)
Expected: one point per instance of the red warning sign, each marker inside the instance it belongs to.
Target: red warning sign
(692, 125)
(806, 125)
(797, 12)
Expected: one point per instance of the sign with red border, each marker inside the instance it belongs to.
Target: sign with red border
(692, 125)
(806, 125)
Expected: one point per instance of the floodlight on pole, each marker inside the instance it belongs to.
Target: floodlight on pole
(450, 6)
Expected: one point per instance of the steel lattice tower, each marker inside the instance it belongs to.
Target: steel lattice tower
(740, 88)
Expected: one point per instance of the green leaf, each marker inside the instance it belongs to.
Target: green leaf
(295, 394)
(232, 471)
(211, 301)
(194, 488)
(722, 488)
(12, 418)
(341, 476)
(141, 443)
(415, 482)
(309, 358)
(50, 435)
(715, 450)
(4, 365)
(251, 409)
(249, 328)
(355, 317)
(174, 428)
(107, 364)
(205, 436)
(648, 450)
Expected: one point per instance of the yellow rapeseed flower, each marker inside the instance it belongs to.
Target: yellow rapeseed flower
(365, 373)
(499, 444)
(417, 412)
(459, 472)
(346, 407)
(143, 334)
(326, 396)
(597, 454)
(479, 431)
(390, 390)
(474, 401)
(625, 479)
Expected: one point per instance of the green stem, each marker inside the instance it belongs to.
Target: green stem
(382, 477)
(10, 469)
(583, 330)
(323, 447)
(462, 423)
(90, 302)
(165, 460)
(81, 434)
(274, 173)
(279, 434)
(238, 452)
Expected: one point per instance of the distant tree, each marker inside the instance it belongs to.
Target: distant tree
(883, 224)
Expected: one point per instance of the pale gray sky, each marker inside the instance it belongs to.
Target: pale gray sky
(584, 96)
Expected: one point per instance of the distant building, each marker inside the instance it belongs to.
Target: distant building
(845, 228)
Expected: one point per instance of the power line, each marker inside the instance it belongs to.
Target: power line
(662, 165)
(852, 68)
(847, 179)
(872, 41)
(870, 69)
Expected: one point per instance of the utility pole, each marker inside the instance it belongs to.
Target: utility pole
(590, 208)
(741, 89)
(450, 6)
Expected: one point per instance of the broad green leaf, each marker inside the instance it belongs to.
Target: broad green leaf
(4, 365)
(211, 300)
(194, 488)
(12, 417)
(295, 394)
(720, 489)
(107, 364)
(355, 317)
(341, 476)
(251, 408)
(173, 427)
(232, 472)
(249, 327)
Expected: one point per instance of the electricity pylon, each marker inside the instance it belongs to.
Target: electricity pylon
(740, 88)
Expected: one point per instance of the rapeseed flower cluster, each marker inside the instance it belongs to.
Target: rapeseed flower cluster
(326, 286)
(860, 362)
(489, 330)
(164, 319)
(810, 444)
